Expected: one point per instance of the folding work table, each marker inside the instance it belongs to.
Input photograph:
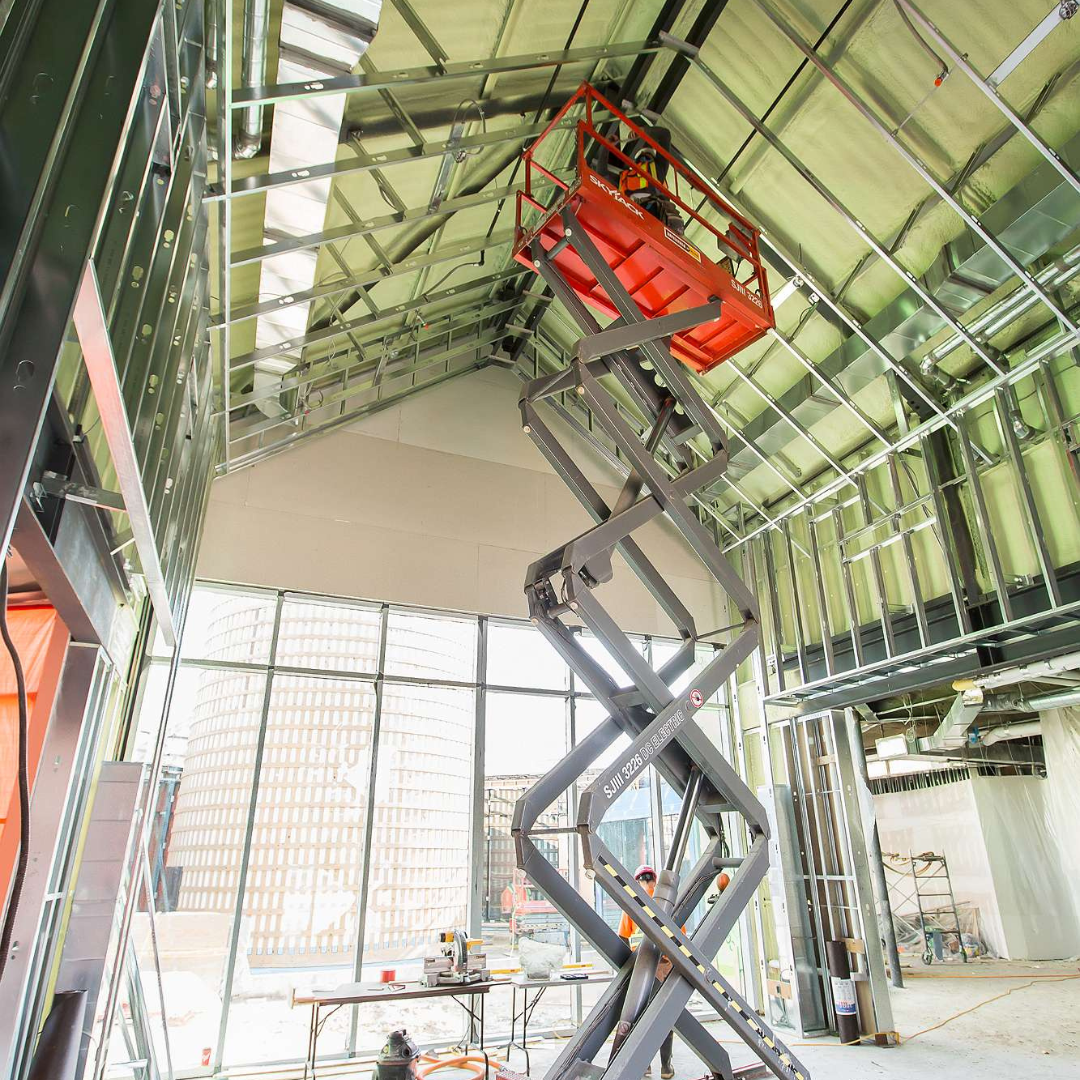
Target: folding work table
(540, 987)
(364, 993)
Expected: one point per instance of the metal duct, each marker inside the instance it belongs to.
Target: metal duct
(953, 733)
(253, 73)
(318, 40)
(1055, 699)
(996, 318)
(1034, 216)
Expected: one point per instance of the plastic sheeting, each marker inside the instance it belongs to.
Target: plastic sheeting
(1032, 887)
(1061, 748)
(1004, 839)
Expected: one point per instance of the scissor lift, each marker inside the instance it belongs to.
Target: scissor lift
(673, 308)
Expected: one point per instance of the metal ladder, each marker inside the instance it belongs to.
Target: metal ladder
(920, 880)
(927, 887)
(632, 354)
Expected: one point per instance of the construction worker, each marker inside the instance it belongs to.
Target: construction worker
(631, 933)
(643, 183)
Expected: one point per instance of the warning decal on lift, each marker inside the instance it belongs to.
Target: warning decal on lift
(682, 242)
(697, 699)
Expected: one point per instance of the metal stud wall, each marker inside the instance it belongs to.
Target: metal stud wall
(107, 431)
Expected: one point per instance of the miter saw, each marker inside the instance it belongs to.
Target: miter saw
(458, 962)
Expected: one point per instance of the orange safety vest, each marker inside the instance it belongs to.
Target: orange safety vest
(630, 930)
(631, 180)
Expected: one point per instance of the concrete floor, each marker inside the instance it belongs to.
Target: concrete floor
(1032, 1033)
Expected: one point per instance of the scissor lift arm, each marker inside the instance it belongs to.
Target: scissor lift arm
(634, 354)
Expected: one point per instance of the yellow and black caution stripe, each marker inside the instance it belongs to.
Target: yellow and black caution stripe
(699, 970)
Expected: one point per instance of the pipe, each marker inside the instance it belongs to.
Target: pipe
(1026, 730)
(483, 172)
(211, 37)
(256, 42)
(1037, 670)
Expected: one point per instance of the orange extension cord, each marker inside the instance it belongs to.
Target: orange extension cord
(1032, 980)
(474, 1064)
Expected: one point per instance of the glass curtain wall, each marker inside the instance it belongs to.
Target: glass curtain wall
(314, 817)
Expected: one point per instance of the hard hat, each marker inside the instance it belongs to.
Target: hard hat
(722, 882)
(644, 868)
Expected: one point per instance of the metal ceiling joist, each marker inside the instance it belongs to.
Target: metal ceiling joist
(369, 277)
(423, 34)
(350, 416)
(880, 249)
(777, 254)
(375, 319)
(355, 84)
(710, 11)
(363, 162)
(994, 97)
(917, 165)
(1059, 13)
(406, 216)
(902, 324)
(481, 343)
(459, 320)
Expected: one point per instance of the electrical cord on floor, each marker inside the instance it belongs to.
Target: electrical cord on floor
(24, 779)
(996, 997)
(901, 1038)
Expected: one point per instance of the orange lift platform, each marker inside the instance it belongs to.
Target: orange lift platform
(632, 212)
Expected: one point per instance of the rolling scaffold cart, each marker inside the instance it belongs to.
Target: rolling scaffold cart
(614, 240)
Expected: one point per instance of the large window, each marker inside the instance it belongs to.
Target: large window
(315, 820)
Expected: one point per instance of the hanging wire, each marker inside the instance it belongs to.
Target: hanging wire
(943, 68)
(459, 118)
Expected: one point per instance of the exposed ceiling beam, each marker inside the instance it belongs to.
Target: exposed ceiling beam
(474, 348)
(325, 370)
(369, 277)
(375, 319)
(351, 416)
(680, 64)
(469, 69)
(407, 216)
(405, 155)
